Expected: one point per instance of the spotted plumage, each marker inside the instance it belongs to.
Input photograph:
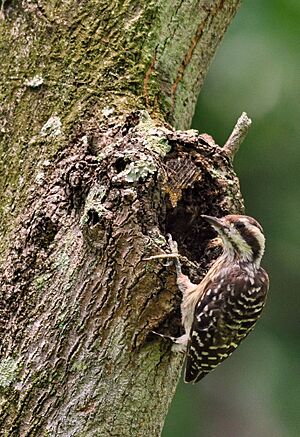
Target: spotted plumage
(223, 309)
(226, 313)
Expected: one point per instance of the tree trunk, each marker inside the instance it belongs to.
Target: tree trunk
(90, 186)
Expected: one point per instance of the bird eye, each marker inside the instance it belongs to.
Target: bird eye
(240, 225)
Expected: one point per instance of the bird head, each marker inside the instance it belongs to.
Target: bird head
(242, 236)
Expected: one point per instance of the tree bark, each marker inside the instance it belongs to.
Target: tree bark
(90, 186)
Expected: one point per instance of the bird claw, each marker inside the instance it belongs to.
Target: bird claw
(174, 252)
(173, 245)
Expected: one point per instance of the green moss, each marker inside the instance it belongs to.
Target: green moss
(8, 371)
(62, 262)
(79, 366)
(66, 76)
(41, 281)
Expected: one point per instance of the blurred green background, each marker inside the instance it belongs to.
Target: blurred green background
(256, 392)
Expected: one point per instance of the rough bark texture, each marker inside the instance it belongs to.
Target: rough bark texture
(90, 185)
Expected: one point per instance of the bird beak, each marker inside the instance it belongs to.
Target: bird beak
(214, 221)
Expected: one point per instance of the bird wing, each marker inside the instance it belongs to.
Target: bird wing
(224, 315)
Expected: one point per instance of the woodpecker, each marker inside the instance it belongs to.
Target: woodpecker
(222, 310)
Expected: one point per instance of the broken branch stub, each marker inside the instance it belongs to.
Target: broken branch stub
(237, 135)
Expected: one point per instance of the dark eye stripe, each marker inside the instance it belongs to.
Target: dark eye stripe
(251, 240)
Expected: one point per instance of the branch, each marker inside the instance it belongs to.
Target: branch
(238, 135)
